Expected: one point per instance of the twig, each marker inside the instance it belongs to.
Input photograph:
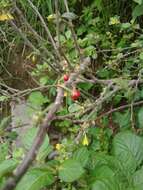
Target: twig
(46, 29)
(26, 40)
(119, 109)
(22, 35)
(36, 35)
(58, 33)
(57, 22)
(72, 31)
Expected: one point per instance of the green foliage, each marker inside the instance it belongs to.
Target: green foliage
(7, 166)
(35, 179)
(110, 33)
(70, 170)
(140, 117)
(27, 140)
(81, 155)
(37, 99)
(127, 147)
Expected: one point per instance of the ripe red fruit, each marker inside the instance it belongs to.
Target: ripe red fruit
(75, 94)
(66, 77)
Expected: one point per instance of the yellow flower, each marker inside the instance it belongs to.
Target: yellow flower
(51, 17)
(58, 146)
(6, 16)
(85, 141)
(65, 94)
(114, 20)
(33, 58)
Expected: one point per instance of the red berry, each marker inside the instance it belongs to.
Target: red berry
(75, 94)
(66, 77)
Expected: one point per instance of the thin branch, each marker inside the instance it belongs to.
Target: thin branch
(26, 40)
(119, 109)
(57, 22)
(36, 35)
(58, 33)
(23, 36)
(46, 28)
(72, 31)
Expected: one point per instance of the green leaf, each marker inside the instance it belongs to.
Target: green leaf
(102, 159)
(3, 98)
(81, 155)
(138, 1)
(138, 11)
(68, 34)
(74, 108)
(99, 185)
(128, 148)
(70, 170)
(69, 15)
(85, 86)
(106, 184)
(125, 25)
(5, 122)
(140, 117)
(35, 180)
(37, 99)
(106, 178)
(28, 138)
(3, 151)
(138, 178)
(44, 80)
(98, 4)
(90, 51)
(122, 119)
(141, 55)
(7, 166)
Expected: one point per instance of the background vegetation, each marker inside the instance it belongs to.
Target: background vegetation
(79, 67)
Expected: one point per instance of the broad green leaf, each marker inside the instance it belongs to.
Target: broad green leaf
(106, 169)
(37, 99)
(105, 178)
(102, 159)
(70, 170)
(128, 148)
(28, 138)
(35, 180)
(140, 117)
(7, 166)
(138, 178)
(44, 152)
(99, 185)
(103, 171)
(81, 155)
(138, 11)
(106, 184)
(122, 119)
